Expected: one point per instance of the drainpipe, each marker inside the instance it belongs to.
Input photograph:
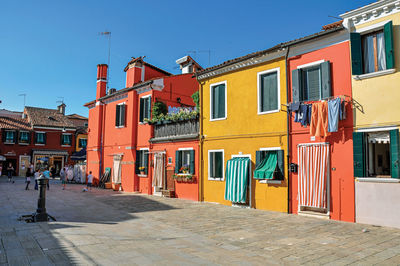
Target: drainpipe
(201, 141)
(287, 129)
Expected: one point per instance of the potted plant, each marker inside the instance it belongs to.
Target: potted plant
(141, 169)
(184, 169)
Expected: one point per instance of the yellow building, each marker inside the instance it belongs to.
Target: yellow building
(375, 54)
(243, 125)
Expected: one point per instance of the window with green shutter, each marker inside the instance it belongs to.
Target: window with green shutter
(218, 101)
(184, 162)
(120, 114)
(145, 108)
(268, 91)
(216, 164)
(24, 137)
(40, 138)
(10, 136)
(142, 162)
(66, 139)
(270, 164)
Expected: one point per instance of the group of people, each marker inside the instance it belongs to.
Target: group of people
(36, 175)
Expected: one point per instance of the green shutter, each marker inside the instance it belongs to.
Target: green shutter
(326, 90)
(44, 138)
(148, 115)
(122, 115)
(388, 32)
(177, 161)
(281, 165)
(296, 85)
(394, 153)
(117, 112)
(258, 158)
(211, 163)
(16, 136)
(146, 162)
(221, 104)
(137, 164)
(141, 110)
(359, 154)
(29, 137)
(192, 162)
(3, 135)
(356, 53)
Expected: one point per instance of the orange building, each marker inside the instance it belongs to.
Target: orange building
(119, 133)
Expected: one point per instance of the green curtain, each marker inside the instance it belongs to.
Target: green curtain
(267, 167)
(237, 175)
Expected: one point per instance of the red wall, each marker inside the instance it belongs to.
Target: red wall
(341, 144)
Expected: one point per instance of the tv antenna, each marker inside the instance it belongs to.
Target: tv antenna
(108, 34)
(24, 95)
(61, 101)
(194, 52)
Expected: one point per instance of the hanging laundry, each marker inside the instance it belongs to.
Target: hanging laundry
(294, 107)
(342, 110)
(314, 119)
(319, 120)
(302, 115)
(334, 107)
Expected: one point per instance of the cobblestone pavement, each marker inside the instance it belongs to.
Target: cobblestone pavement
(111, 228)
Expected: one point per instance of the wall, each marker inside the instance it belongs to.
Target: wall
(78, 137)
(382, 208)
(245, 131)
(341, 144)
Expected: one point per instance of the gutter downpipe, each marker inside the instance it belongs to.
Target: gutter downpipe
(201, 140)
(287, 128)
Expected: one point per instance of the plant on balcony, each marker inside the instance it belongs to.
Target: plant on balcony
(182, 115)
(183, 177)
(196, 99)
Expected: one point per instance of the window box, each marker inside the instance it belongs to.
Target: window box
(187, 178)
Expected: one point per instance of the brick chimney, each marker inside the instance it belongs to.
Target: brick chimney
(101, 80)
(61, 108)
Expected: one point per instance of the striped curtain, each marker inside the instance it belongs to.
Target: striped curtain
(237, 175)
(313, 174)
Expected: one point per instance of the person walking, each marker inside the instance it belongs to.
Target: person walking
(53, 172)
(37, 175)
(63, 178)
(46, 174)
(28, 178)
(89, 181)
(10, 171)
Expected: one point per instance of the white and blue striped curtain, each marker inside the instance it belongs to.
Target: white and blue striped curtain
(237, 176)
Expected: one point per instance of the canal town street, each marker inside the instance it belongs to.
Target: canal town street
(103, 227)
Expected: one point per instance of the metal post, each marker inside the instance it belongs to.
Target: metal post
(41, 214)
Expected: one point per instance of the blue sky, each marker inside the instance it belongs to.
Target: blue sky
(50, 49)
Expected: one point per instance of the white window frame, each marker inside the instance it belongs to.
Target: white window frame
(185, 149)
(123, 103)
(144, 97)
(226, 100)
(268, 181)
(310, 65)
(223, 164)
(39, 144)
(148, 168)
(259, 74)
(66, 145)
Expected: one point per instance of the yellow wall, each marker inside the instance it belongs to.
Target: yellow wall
(379, 96)
(245, 131)
(78, 137)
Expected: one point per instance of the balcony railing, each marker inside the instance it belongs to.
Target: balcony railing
(179, 130)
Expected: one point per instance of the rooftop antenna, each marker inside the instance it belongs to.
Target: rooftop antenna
(61, 101)
(108, 34)
(24, 95)
(334, 17)
(202, 51)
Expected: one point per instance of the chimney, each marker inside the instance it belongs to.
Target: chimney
(188, 65)
(101, 81)
(135, 71)
(61, 108)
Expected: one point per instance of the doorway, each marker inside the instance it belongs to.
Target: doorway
(24, 163)
(158, 174)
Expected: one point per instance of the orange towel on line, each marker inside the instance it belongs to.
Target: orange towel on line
(319, 119)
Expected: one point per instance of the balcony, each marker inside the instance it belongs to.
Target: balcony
(179, 130)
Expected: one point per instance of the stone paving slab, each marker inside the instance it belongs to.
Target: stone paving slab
(103, 227)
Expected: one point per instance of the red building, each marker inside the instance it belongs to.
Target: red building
(319, 70)
(43, 137)
(119, 134)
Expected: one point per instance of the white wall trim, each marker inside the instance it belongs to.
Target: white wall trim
(185, 149)
(374, 74)
(271, 149)
(259, 74)
(223, 164)
(144, 149)
(226, 100)
(374, 129)
(55, 128)
(372, 28)
(315, 63)
(377, 180)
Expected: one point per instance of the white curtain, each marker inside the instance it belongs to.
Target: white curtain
(158, 174)
(313, 175)
(116, 178)
(381, 51)
(369, 62)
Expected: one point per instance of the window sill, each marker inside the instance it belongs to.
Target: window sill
(120, 127)
(10, 143)
(269, 112)
(39, 144)
(65, 145)
(270, 181)
(215, 179)
(142, 175)
(377, 180)
(23, 143)
(374, 74)
(218, 119)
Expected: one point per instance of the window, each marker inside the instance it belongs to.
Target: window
(120, 115)
(268, 91)
(145, 108)
(184, 162)
(376, 154)
(216, 165)
(40, 138)
(372, 49)
(312, 82)
(66, 139)
(142, 162)
(218, 101)
(82, 143)
(9, 136)
(269, 164)
(24, 137)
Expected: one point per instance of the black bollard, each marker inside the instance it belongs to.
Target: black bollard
(41, 214)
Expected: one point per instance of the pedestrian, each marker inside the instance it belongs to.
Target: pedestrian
(10, 171)
(89, 181)
(46, 174)
(53, 172)
(63, 178)
(28, 178)
(37, 175)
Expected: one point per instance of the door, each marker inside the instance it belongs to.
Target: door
(24, 162)
(158, 174)
(313, 177)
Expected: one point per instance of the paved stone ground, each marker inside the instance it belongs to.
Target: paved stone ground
(111, 228)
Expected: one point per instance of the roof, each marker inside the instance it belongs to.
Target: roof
(14, 123)
(76, 116)
(334, 27)
(140, 58)
(47, 117)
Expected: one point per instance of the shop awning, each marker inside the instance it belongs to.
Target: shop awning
(267, 167)
(79, 156)
(50, 152)
(2, 158)
(237, 175)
